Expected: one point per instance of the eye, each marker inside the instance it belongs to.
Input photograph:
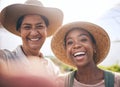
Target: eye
(69, 42)
(40, 26)
(83, 39)
(26, 27)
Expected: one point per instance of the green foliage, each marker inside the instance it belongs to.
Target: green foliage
(66, 68)
(114, 68)
(63, 67)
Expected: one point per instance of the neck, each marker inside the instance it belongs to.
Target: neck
(89, 75)
(28, 52)
(89, 68)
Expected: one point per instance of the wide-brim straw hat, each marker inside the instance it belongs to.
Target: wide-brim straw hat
(0, 23)
(100, 35)
(10, 15)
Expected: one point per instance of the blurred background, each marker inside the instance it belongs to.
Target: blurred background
(105, 13)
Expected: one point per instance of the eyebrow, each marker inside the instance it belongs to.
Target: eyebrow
(79, 36)
(26, 24)
(84, 35)
(30, 23)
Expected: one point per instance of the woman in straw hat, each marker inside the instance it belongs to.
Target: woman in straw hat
(33, 23)
(83, 45)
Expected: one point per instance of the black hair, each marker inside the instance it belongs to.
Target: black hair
(20, 20)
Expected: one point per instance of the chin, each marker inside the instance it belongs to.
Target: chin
(80, 64)
(35, 47)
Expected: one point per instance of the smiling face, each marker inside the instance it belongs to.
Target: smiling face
(33, 32)
(79, 47)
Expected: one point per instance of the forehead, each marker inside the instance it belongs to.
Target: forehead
(32, 16)
(74, 31)
(82, 31)
(32, 19)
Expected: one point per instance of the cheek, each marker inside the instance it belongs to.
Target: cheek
(23, 33)
(89, 46)
(45, 33)
(23, 36)
(68, 52)
(91, 50)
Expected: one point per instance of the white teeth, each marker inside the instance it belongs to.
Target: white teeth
(79, 53)
(35, 39)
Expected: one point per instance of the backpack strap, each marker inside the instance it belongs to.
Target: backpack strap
(69, 79)
(109, 79)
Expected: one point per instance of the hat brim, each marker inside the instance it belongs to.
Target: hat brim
(11, 13)
(100, 35)
(0, 23)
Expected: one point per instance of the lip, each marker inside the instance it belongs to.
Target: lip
(34, 39)
(79, 55)
(79, 58)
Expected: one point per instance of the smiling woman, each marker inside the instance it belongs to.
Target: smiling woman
(33, 32)
(83, 45)
(95, 8)
(33, 24)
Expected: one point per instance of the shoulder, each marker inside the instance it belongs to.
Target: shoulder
(4, 53)
(50, 62)
(117, 77)
(115, 74)
(52, 66)
(61, 79)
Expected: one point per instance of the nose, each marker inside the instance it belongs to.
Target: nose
(34, 32)
(77, 45)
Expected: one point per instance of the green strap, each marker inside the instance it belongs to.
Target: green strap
(109, 79)
(69, 79)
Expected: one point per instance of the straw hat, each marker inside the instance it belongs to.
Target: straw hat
(10, 14)
(0, 23)
(99, 34)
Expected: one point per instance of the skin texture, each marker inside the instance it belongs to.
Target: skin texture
(26, 76)
(27, 81)
(80, 49)
(79, 41)
(33, 34)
